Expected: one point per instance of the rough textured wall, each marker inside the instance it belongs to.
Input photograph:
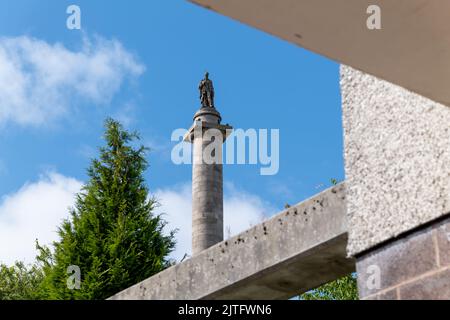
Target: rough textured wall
(397, 159)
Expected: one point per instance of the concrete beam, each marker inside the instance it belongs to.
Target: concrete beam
(298, 249)
(411, 50)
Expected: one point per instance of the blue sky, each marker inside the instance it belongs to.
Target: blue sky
(260, 81)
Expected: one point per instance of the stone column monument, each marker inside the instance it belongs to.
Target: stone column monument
(207, 135)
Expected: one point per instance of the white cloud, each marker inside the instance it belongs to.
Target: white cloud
(176, 205)
(34, 212)
(126, 115)
(241, 211)
(37, 209)
(38, 79)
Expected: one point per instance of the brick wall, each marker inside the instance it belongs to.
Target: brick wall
(415, 266)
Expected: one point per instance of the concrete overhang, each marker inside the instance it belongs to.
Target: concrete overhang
(299, 249)
(411, 50)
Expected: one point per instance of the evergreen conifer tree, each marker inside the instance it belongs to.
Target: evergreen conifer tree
(112, 234)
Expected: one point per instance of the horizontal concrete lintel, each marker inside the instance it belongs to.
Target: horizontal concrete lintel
(299, 249)
(412, 48)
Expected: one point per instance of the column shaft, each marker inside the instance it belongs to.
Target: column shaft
(207, 200)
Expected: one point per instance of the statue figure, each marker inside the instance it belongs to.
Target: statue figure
(206, 92)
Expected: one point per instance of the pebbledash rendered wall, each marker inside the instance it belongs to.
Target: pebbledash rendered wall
(397, 166)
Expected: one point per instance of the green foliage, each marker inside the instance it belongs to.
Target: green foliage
(112, 234)
(341, 289)
(20, 282)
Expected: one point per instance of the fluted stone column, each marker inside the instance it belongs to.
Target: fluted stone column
(207, 179)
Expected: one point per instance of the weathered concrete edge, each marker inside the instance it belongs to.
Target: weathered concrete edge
(286, 237)
(310, 269)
